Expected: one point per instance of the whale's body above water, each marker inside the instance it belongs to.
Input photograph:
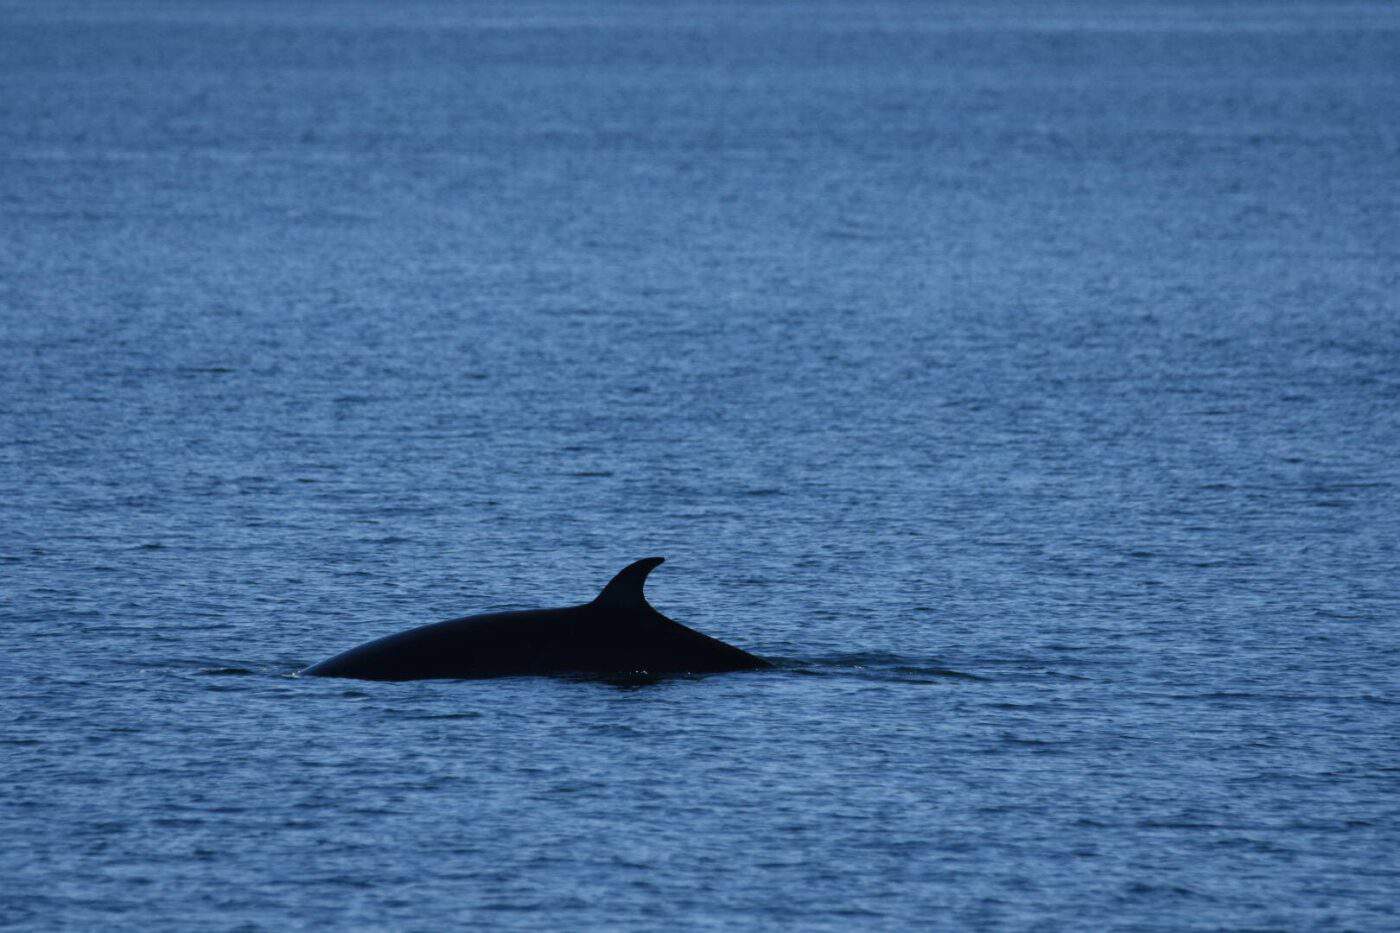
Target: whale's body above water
(617, 633)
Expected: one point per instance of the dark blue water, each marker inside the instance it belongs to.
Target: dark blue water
(1025, 379)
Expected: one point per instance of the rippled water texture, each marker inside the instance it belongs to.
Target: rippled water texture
(1025, 380)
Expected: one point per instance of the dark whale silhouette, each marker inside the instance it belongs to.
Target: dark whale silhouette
(617, 633)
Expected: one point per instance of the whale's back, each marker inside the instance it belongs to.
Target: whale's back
(619, 632)
(493, 644)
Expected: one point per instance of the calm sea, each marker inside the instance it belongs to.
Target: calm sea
(1023, 378)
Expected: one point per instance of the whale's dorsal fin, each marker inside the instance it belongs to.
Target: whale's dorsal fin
(625, 590)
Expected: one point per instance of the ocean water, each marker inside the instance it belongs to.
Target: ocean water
(1024, 379)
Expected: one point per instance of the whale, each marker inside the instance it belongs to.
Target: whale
(618, 633)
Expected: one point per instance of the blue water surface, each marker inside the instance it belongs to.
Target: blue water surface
(1023, 378)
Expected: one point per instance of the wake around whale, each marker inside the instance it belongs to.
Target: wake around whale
(617, 633)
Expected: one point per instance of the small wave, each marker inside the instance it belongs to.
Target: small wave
(1244, 696)
(878, 665)
(204, 370)
(937, 672)
(1037, 743)
(226, 672)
